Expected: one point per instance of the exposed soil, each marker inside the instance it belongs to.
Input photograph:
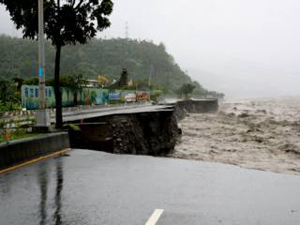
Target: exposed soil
(259, 134)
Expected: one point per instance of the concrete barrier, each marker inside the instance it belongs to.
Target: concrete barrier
(29, 148)
(181, 108)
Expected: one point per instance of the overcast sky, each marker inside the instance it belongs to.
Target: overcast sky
(244, 48)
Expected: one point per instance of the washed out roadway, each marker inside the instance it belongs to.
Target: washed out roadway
(89, 187)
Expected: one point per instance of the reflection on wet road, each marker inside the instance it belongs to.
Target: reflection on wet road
(98, 188)
(43, 183)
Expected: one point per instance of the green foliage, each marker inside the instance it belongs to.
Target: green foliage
(6, 91)
(2, 125)
(93, 96)
(156, 94)
(72, 127)
(66, 22)
(16, 129)
(32, 81)
(11, 106)
(143, 60)
(9, 97)
(18, 82)
(15, 136)
(73, 82)
(186, 90)
(201, 92)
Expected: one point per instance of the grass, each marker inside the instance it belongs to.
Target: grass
(17, 137)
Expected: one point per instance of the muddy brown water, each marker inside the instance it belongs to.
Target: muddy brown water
(258, 134)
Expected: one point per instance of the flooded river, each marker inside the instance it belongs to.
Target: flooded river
(259, 134)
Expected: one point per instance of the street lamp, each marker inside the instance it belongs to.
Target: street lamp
(42, 116)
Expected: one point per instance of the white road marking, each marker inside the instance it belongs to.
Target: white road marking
(155, 217)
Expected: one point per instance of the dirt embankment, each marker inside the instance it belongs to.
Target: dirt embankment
(149, 133)
(263, 135)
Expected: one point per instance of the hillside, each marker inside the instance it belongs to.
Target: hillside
(142, 59)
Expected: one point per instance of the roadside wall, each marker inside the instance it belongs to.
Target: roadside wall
(22, 150)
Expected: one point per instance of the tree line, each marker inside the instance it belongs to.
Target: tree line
(77, 22)
(143, 60)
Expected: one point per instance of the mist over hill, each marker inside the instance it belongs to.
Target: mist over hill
(143, 60)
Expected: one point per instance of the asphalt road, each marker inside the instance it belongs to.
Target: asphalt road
(91, 187)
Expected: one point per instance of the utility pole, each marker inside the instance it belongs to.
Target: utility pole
(41, 55)
(42, 116)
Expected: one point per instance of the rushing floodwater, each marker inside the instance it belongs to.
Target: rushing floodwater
(261, 134)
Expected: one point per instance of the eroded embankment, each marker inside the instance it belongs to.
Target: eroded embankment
(153, 133)
(147, 133)
(262, 135)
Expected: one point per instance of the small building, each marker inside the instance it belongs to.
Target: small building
(91, 83)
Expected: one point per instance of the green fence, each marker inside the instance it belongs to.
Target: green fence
(86, 96)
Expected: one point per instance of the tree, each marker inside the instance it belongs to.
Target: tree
(186, 90)
(32, 81)
(8, 98)
(75, 83)
(18, 82)
(66, 22)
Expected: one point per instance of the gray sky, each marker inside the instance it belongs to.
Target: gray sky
(244, 48)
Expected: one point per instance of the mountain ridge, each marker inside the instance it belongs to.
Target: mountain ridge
(143, 60)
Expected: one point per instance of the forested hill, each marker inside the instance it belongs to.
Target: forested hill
(142, 59)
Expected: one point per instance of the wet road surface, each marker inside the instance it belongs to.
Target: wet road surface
(90, 187)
